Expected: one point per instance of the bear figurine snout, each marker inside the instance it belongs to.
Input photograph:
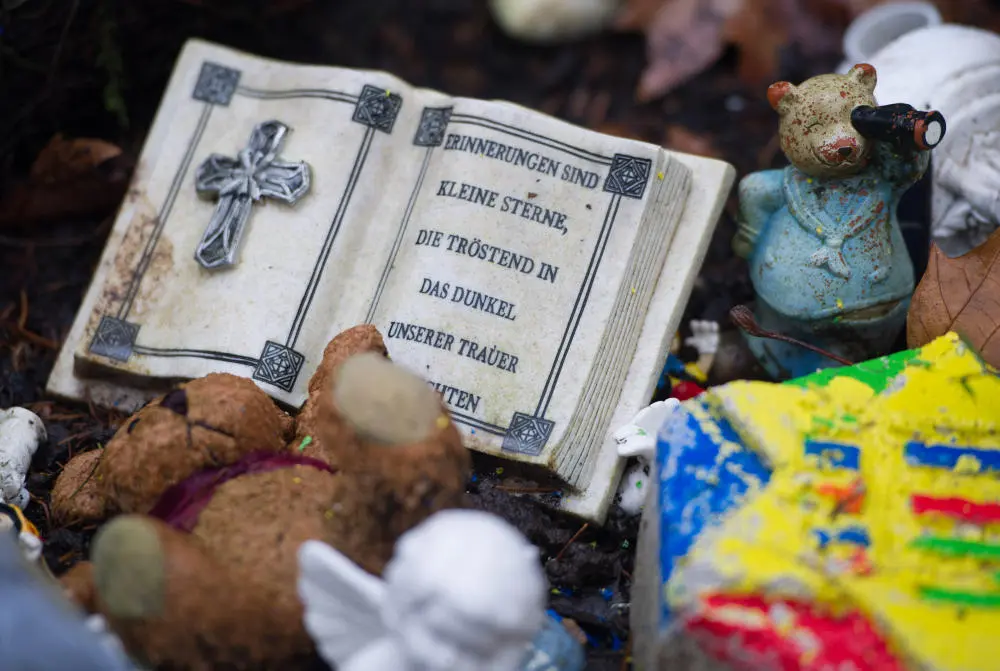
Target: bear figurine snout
(840, 150)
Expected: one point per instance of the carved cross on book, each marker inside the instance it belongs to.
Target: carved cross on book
(238, 183)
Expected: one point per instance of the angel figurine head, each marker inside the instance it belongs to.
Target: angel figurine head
(463, 590)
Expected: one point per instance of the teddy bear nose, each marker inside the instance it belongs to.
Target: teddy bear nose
(845, 152)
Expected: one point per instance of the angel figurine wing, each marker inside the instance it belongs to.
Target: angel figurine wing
(342, 604)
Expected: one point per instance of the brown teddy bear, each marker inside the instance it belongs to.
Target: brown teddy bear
(214, 496)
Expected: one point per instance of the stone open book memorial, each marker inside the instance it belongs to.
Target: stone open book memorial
(532, 271)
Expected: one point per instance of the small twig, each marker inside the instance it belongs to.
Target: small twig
(75, 436)
(572, 540)
(22, 317)
(743, 318)
(32, 337)
(45, 509)
(89, 476)
(62, 42)
(627, 655)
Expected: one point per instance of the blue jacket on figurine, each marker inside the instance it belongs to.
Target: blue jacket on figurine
(830, 246)
(40, 629)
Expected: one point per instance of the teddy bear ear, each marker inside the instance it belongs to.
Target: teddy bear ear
(863, 73)
(780, 93)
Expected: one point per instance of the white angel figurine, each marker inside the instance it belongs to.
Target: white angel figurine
(464, 591)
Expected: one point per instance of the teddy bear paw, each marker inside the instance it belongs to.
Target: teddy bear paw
(384, 402)
(129, 568)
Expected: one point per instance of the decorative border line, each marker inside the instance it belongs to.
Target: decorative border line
(331, 235)
(164, 213)
(323, 94)
(198, 353)
(582, 297)
(399, 238)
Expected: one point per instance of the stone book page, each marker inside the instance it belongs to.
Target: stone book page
(257, 224)
(508, 268)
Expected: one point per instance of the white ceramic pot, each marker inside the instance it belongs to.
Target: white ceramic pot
(955, 70)
(553, 21)
(882, 25)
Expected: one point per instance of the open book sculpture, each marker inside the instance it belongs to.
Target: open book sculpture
(464, 590)
(532, 271)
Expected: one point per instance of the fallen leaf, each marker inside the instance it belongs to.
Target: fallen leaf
(63, 159)
(960, 294)
(685, 37)
(687, 141)
(69, 178)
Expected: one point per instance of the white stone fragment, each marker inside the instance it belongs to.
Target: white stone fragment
(638, 437)
(21, 431)
(550, 21)
(633, 488)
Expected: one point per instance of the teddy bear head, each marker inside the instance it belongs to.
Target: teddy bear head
(219, 419)
(816, 132)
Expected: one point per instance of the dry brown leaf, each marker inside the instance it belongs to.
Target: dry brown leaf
(685, 37)
(960, 294)
(687, 141)
(63, 159)
(68, 178)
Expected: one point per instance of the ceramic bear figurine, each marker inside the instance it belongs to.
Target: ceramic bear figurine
(827, 258)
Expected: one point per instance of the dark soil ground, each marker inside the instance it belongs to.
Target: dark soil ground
(98, 68)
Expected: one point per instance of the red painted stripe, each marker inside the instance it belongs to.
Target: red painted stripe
(848, 641)
(956, 507)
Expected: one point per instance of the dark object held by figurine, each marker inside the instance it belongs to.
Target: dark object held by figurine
(900, 124)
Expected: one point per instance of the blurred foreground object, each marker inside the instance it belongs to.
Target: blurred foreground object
(956, 70)
(40, 630)
(827, 258)
(463, 590)
(552, 21)
(846, 519)
(960, 294)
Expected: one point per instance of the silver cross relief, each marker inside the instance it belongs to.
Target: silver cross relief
(238, 183)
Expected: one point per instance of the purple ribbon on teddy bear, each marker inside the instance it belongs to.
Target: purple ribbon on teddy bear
(180, 505)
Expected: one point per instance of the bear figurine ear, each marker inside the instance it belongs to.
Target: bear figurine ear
(863, 73)
(780, 92)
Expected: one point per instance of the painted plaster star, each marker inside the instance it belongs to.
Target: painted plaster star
(464, 590)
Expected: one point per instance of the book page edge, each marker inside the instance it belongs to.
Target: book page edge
(711, 183)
